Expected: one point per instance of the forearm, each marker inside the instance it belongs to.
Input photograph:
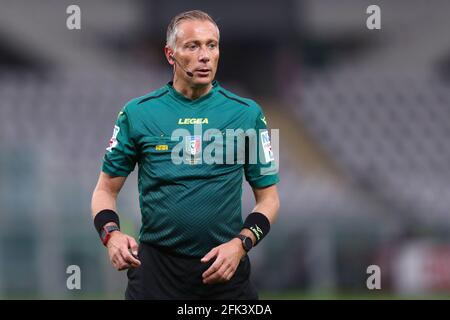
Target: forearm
(268, 206)
(122, 249)
(269, 209)
(101, 200)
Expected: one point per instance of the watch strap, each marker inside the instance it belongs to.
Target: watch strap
(105, 234)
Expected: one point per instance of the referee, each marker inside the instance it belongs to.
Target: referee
(193, 241)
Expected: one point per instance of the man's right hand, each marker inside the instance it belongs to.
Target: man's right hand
(119, 246)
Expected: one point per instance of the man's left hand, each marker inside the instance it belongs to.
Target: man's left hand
(228, 256)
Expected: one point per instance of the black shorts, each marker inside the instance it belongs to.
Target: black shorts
(167, 276)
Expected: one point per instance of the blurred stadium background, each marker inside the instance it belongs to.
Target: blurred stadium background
(364, 119)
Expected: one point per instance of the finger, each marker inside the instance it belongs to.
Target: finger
(135, 256)
(115, 259)
(229, 274)
(132, 244)
(114, 263)
(218, 276)
(120, 264)
(129, 259)
(124, 265)
(213, 268)
(210, 254)
(218, 273)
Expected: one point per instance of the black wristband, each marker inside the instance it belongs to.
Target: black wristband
(257, 223)
(104, 217)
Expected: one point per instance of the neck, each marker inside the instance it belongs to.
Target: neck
(189, 91)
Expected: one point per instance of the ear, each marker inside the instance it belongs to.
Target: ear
(169, 53)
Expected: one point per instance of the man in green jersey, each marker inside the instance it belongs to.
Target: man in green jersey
(186, 138)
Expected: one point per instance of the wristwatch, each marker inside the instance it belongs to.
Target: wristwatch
(247, 242)
(106, 233)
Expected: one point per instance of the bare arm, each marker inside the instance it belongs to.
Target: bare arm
(267, 203)
(104, 197)
(105, 193)
(230, 253)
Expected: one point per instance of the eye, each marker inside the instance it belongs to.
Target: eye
(192, 46)
(212, 45)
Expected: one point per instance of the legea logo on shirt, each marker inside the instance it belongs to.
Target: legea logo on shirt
(193, 121)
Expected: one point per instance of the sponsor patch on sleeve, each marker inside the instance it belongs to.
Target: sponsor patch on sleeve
(113, 140)
(267, 147)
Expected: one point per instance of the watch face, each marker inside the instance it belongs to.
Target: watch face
(248, 244)
(106, 233)
(111, 228)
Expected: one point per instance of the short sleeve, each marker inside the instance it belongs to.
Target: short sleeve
(260, 166)
(120, 157)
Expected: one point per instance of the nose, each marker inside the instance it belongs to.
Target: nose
(204, 55)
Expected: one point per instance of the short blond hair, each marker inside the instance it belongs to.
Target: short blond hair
(172, 29)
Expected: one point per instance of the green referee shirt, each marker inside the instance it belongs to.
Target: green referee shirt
(190, 180)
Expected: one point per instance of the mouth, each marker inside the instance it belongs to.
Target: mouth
(203, 71)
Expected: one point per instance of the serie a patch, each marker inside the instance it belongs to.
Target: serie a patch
(113, 140)
(267, 147)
